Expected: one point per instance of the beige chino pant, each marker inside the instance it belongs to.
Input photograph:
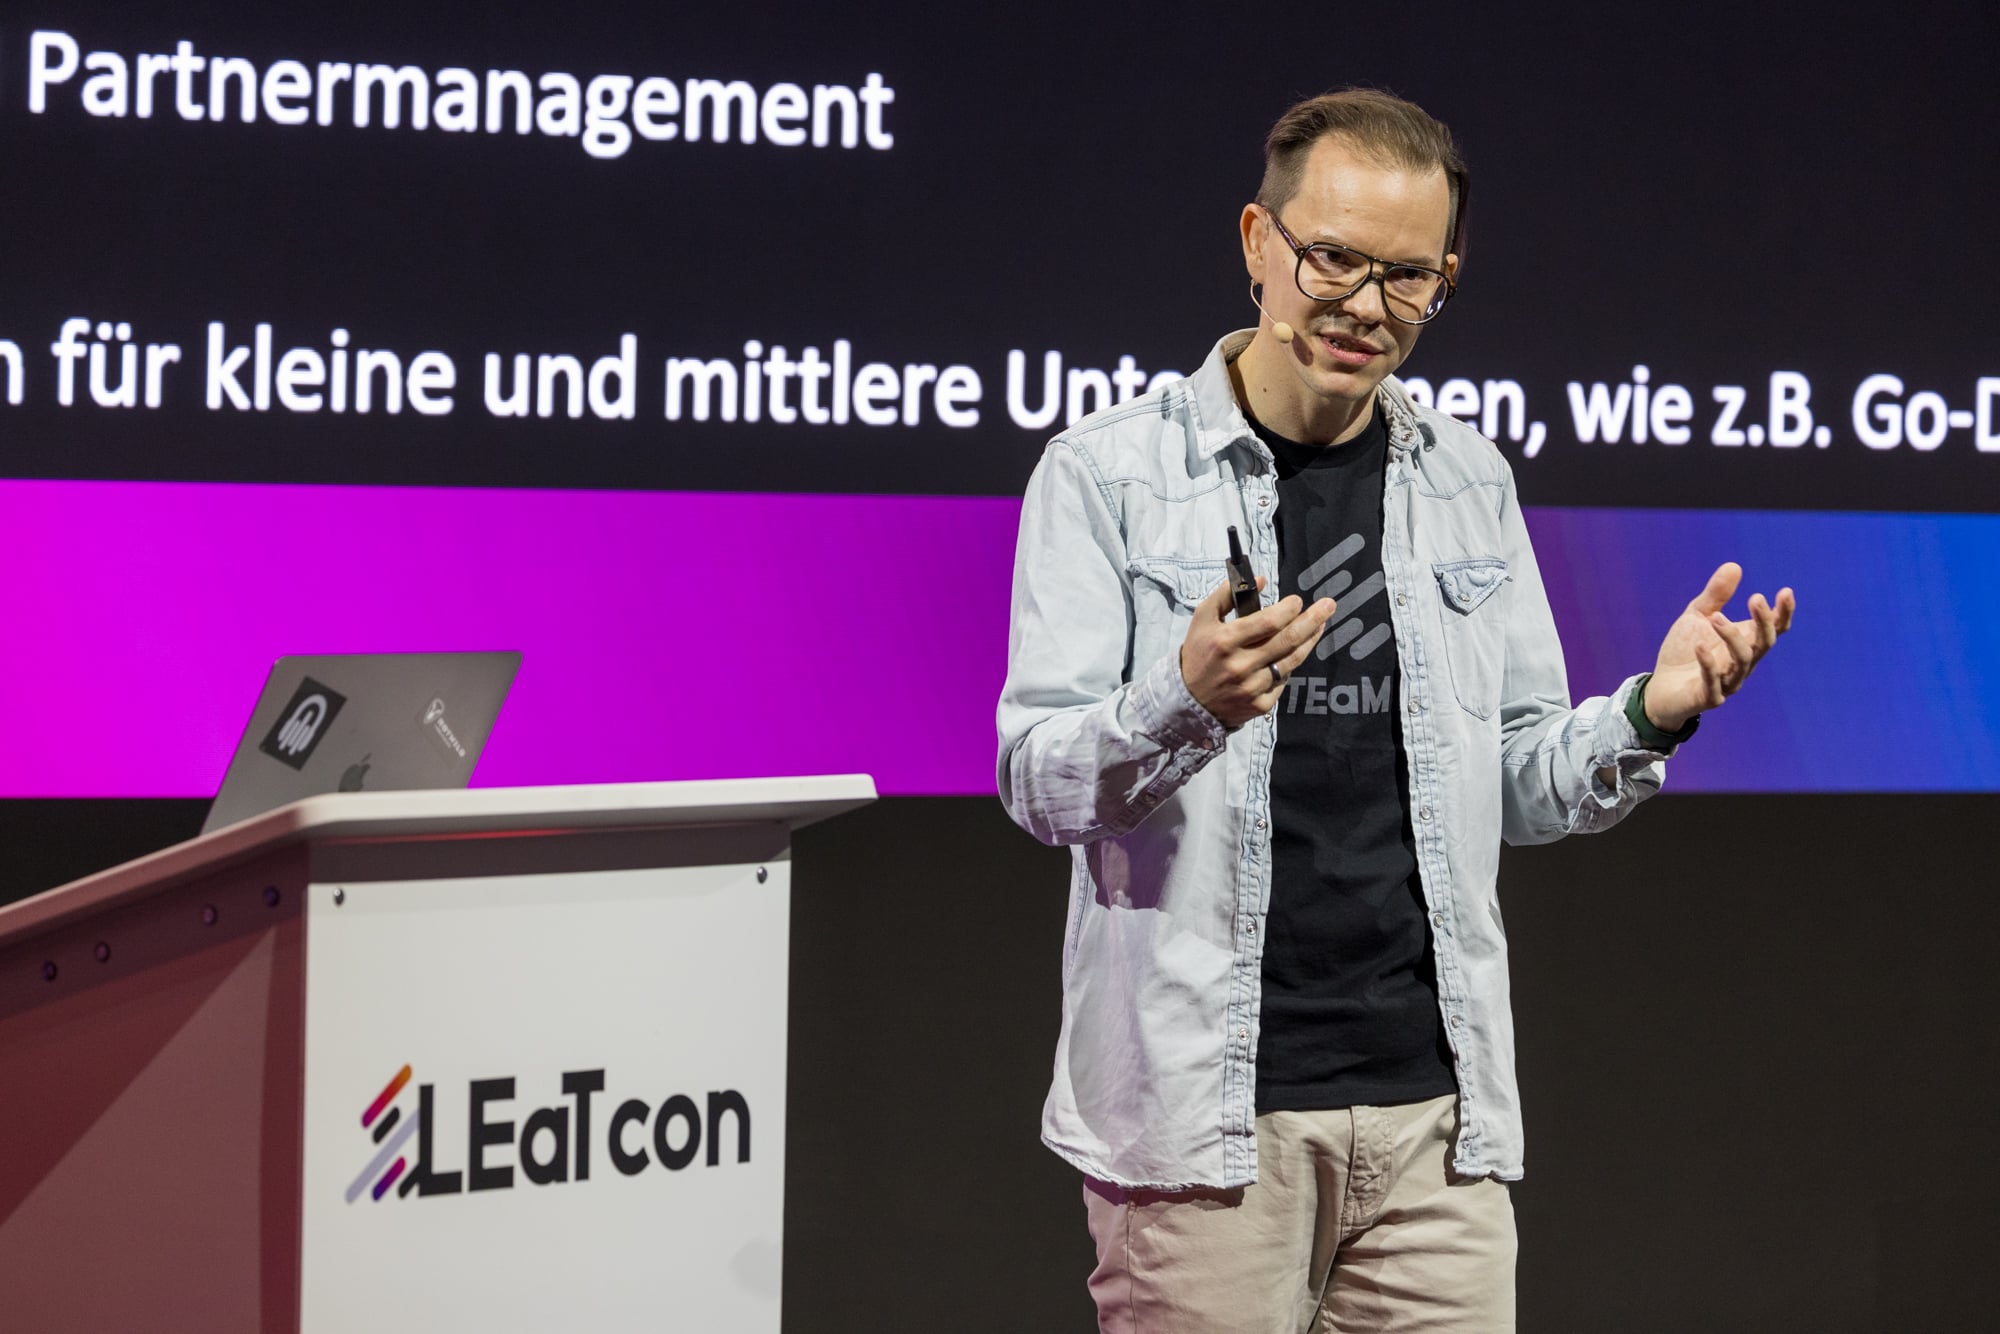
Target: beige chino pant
(1356, 1223)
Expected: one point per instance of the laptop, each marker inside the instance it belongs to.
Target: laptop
(363, 722)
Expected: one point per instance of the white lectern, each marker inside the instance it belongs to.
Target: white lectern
(492, 1060)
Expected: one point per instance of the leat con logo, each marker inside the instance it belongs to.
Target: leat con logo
(383, 1172)
(554, 1142)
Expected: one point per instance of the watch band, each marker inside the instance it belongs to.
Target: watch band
(1651, 737)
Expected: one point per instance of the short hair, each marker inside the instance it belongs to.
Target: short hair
(1388, 129)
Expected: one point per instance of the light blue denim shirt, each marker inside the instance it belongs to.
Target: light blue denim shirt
(1167, 813)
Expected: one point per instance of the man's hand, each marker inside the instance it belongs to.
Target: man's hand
(1707, 657)
(1237, 669)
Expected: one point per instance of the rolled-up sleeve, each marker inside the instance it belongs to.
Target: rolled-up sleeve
(1551, 753)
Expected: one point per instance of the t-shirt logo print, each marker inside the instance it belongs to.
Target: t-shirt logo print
(1326, 579)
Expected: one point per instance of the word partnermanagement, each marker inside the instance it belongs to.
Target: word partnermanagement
(607, 112)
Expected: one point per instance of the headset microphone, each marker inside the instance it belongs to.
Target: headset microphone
(1279, 329)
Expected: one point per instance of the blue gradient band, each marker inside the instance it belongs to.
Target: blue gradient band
(1888, 681)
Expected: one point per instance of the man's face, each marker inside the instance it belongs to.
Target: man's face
(1344, 348)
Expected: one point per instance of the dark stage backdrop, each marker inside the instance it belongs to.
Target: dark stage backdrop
(700, 353)
(1755, 1044)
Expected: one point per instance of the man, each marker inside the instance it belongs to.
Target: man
(1286, 1060)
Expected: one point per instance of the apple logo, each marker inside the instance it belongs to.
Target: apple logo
(350, 781)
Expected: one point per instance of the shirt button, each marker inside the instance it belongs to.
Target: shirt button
(1243, 1034)
(1260, 822)
(1263, 500)
(1402, 601)
(1424, 813)
(1437, 920)
(1416, 705)
(1250, 928)
(1465, 597)
(1458, 1021)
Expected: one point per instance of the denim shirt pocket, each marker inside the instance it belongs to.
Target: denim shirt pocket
(1474, 636)
(1165, 592)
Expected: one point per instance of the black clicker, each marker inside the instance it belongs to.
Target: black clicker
(1242, 581)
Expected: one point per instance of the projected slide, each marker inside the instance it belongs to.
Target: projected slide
(702, 355)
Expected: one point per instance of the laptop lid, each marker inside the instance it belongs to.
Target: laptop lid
(373, 721)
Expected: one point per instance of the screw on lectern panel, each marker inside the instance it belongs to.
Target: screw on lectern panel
(271, 896)
(339, 897)
(48, 970)
(103, 951)
(763, 874)
(210, 914)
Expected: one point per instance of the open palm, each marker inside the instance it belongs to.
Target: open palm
(1706, 657)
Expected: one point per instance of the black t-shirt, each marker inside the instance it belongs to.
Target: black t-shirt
(1350, 1007)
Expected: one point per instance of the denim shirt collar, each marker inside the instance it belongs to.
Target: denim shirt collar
(1219, 419)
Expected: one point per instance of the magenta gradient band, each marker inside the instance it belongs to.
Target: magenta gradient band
(670, 635)
(662, 635)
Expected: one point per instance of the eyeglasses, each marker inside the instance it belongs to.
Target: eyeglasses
(1329, 272)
